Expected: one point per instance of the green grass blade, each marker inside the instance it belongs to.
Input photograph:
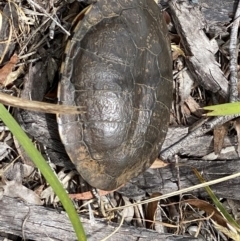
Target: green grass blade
(217, 203)
(223, 109)
(39, 161)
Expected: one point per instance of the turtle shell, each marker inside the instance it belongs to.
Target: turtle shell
(118, 65)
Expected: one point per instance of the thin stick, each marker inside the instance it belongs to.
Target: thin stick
(38, 106)
(233, 51)
(53, 19)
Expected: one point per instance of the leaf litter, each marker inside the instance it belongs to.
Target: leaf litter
(31, 33)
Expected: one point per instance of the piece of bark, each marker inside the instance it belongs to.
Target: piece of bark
(201, 146)
(165, 180)
(40, 223)
(218, 10)
(200, 58)
(214, 11)
(43, 127)
(7, 48)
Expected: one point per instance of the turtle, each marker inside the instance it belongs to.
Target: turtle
(118, 65)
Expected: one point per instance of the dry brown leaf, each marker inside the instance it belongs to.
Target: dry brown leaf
(12, 176)
(89, 195)
(167, 17)
(158, 163)
(39, 190)
(7, 69)
(237, 128)
(4, 147)
(209, 209)
(17, 190)
(193, 106)
(151, 211)
(14, 75)
(27, 170)
(218, 134)
(86, 195)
